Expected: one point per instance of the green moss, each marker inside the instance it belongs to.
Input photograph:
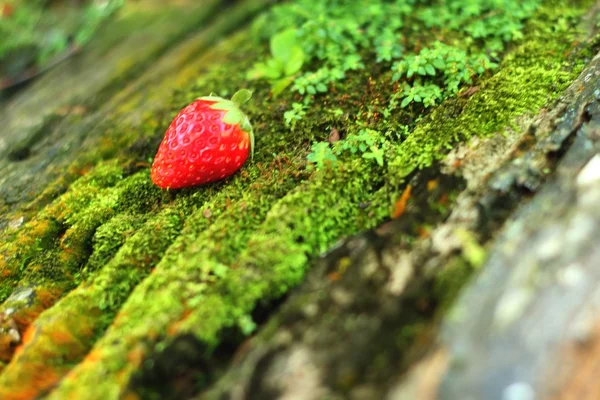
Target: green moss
(68, 330)
(33, 238)
(108, 239)
(347, 36)
(85, 190)
(89, 205)
(163, 264)
(54, 257)
(532, 75)
(219, 230)
(218, 279)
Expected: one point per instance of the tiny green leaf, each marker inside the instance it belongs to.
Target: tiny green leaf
(321, 87)
(279, 85)
(282, 44)
(274, 68)
(294, 64)
(241, 96)
(257, 72)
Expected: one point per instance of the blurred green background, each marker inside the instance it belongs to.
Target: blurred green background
(37, 34)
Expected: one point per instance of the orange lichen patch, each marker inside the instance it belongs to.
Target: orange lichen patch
(423, 231)
(92, 357)
(35, 267)
(136, 356)
(21, 320)
(131, 396)
(334, 276)
(83, 170)
(432, 185)
(574, 373)
(38, 379)
(35, 229)
(6, 348)
(26, 378)
(6, 10)
(52, 344)
(68, 254)
(26, 315)
(28, 336)
(120, 318)
(124, 375)
(444, 199)
(47, 297)
(5, 272)
(62, 337)
(153, 334)
(400, 206)
(175, 326)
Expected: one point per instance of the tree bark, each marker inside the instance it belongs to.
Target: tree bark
(480, 283)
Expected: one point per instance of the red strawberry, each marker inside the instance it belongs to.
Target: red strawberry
(207, 141)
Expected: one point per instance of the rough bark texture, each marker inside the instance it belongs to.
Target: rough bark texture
(112, 284)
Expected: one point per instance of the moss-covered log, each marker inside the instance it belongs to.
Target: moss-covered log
(110, 283)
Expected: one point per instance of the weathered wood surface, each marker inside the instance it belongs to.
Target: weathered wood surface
(375, 316)
(528, 325)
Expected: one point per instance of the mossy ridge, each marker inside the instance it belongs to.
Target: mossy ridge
(532, 75)
(182, 286)
(213, 236)
(74, 214)
(43, 228)
(298, 227)
(55, 266)
(80, 212)
(108, 238)
(63, 334)
(20, 247)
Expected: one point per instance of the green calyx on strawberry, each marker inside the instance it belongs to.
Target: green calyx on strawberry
(208, 140)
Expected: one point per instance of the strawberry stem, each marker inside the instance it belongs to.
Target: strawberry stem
(234, 115)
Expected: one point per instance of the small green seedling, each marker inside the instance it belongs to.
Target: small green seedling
(286, 61)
